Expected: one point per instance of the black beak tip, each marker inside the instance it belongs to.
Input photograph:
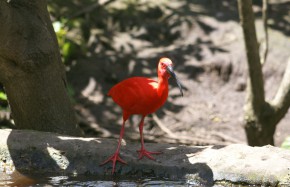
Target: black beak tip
(171, 72)
(181, 92)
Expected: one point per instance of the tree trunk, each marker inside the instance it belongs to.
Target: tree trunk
(261, 117)
(260, 129)
(31, 69)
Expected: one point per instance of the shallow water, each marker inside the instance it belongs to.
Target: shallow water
(84, 181)
(18, 179)
(34, 180)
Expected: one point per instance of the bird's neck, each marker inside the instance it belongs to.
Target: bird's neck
(162, 89)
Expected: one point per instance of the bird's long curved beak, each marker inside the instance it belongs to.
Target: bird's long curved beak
(169, 69)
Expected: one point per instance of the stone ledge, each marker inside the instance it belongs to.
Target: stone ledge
(46, 153)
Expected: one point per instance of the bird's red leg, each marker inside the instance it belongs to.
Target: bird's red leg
(115, 157)
(143, 152)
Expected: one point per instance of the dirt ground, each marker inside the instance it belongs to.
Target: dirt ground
(211, 64)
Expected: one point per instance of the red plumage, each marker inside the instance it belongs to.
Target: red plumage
(138, 95)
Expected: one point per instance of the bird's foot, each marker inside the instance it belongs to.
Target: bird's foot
(144, 152)
(114, 158)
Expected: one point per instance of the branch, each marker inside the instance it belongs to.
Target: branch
(193, 140)
(265, 18)
(255, 92)
(163, 127)
(281, 102)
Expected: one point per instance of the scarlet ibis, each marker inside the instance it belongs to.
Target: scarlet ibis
(143, 96)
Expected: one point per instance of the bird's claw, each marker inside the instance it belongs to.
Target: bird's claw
(144, 152)
(114, 158)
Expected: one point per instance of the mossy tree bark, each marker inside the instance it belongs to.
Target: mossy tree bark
(261, 116)
(31, 69)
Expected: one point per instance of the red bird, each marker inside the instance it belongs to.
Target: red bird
(143, 96)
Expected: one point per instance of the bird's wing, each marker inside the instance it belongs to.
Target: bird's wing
(134, 94)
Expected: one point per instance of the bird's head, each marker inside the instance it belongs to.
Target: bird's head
(165, 69)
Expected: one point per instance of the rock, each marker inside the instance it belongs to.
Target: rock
(30, 152)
